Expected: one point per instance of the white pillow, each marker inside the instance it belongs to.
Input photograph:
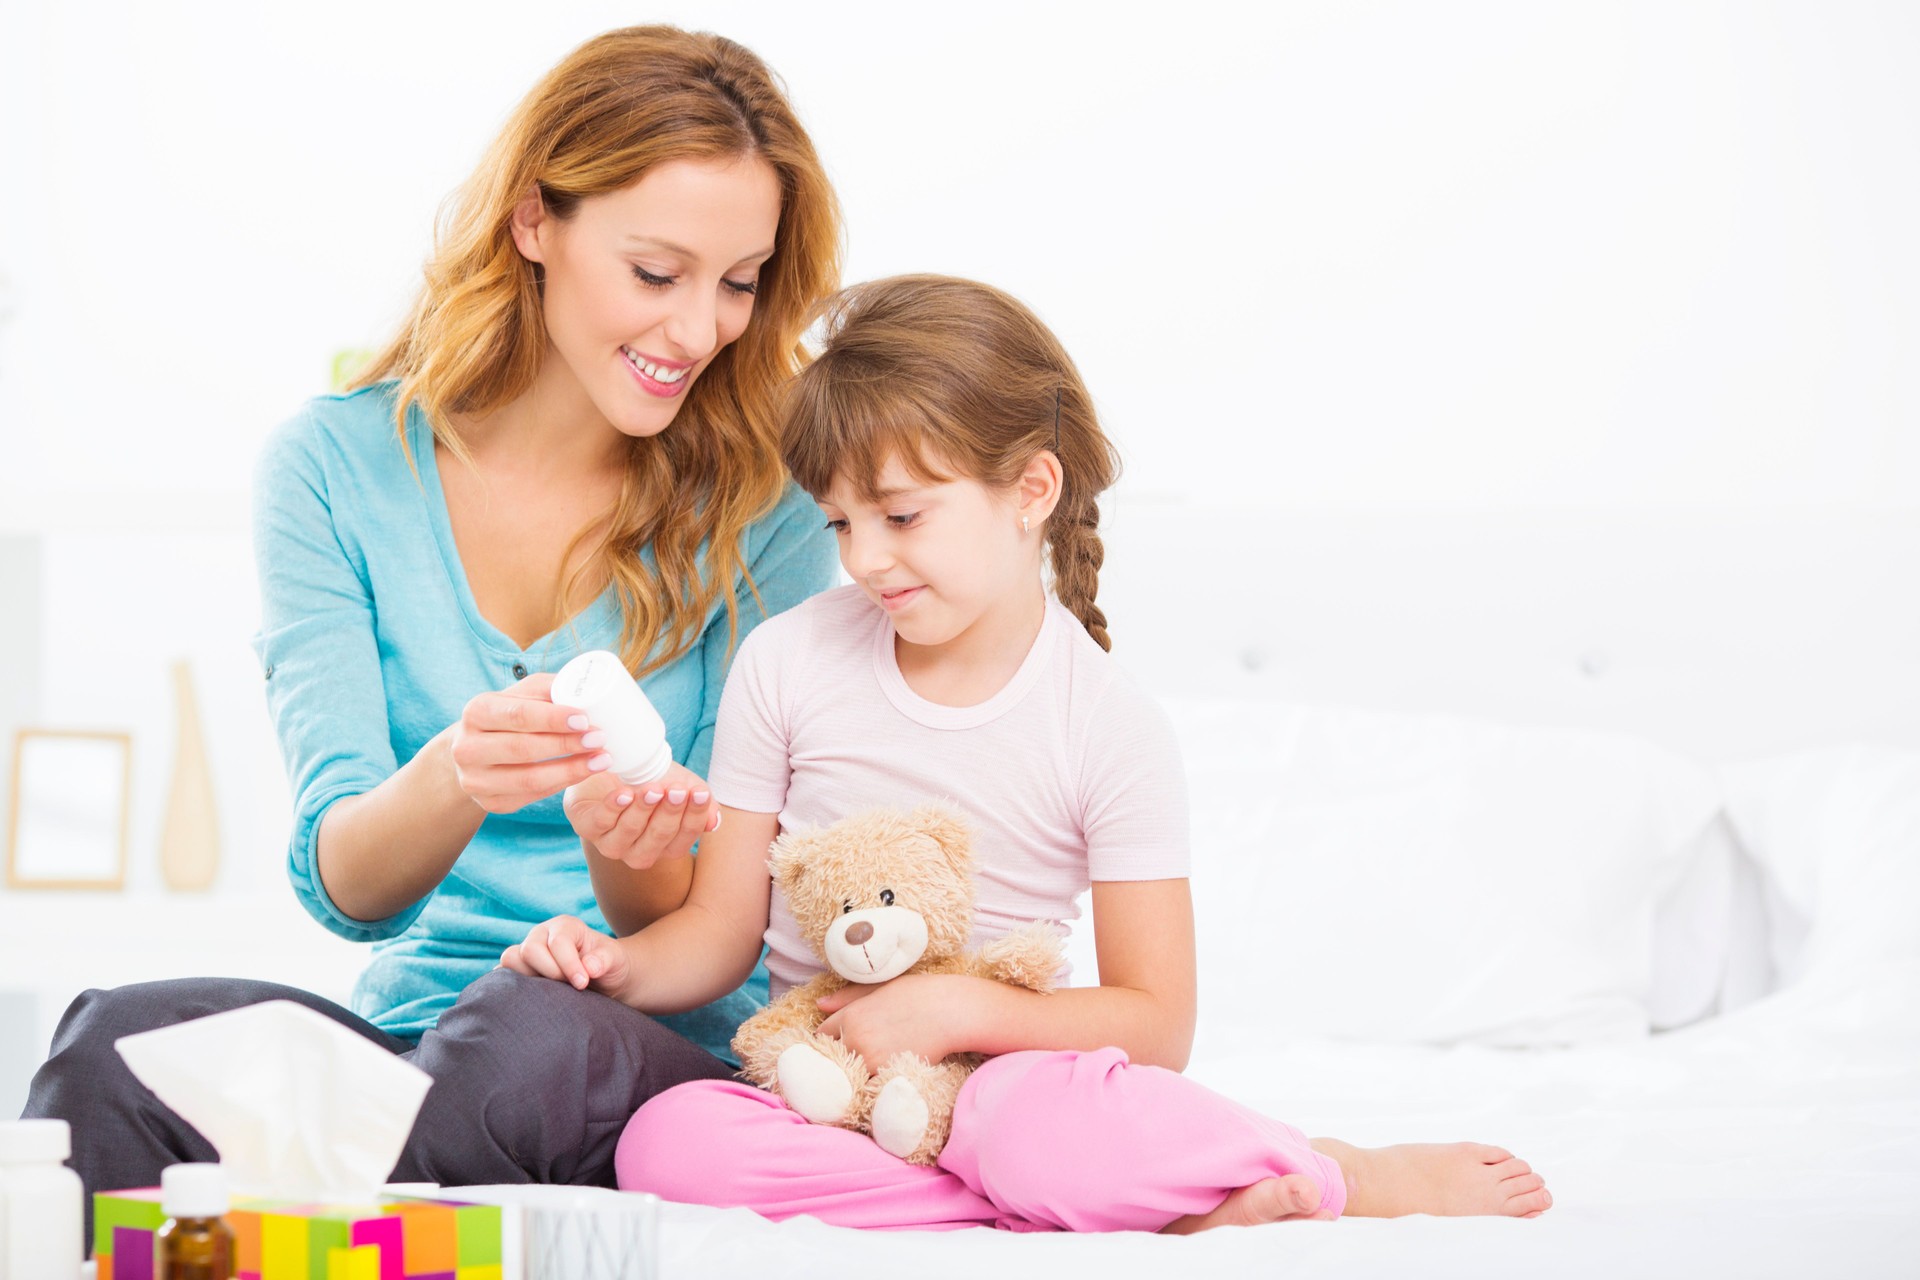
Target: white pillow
(1696, 931)
(1425, 878)
(1836, 834)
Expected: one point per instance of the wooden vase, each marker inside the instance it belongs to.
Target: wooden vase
(190, 838)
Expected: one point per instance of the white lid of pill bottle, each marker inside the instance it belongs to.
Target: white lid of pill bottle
(35, 1141)
(193, 1191)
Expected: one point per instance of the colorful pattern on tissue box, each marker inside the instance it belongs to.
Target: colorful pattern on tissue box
(397, 1238)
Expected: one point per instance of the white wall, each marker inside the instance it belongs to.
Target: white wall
(1341, 255)
(1335, 254)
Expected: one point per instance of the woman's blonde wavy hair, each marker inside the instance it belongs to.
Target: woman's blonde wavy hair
(940, 373)
(608, 113)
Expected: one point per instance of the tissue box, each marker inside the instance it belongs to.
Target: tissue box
(396, 1238)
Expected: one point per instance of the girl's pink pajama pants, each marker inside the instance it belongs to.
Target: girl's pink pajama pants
(1042, 1141)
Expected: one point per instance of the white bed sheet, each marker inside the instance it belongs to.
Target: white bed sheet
(1780, 1140)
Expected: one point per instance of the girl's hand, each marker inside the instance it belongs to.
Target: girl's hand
(923, 1013)
(566, 950)
(514, 747)
(642, 825)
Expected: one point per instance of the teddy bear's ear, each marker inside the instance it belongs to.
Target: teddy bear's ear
(949, 831)
(787, 860)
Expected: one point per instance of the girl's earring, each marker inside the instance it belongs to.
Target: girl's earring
(1023, 524)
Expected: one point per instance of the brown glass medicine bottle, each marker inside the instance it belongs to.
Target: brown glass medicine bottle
(195, 1243)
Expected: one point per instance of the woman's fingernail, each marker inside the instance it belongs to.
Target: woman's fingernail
(701, 797)
(600, 762)
(577, 723)
(715, 824)
(624, 799)
(676, 797)
(653, 797)
(589, 741)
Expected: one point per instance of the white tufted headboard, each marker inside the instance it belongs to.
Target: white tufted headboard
(1723, 635)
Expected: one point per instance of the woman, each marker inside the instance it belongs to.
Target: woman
(571, 444)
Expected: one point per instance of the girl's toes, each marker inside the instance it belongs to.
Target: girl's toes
(1276, 1199)
(1521, 1185)
(1490, 1155)
(1302, 1193)
(1512, 1168)
(1293, 1195)
(1530, 1205)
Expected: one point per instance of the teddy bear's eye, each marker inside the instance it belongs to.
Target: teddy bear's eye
(886, 897)
(845, 907)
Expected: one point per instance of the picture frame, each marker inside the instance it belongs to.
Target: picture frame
(69, 801)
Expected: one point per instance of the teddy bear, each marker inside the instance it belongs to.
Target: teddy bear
(878, 895)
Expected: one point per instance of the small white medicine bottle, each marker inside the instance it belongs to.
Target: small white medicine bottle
(600, 685)
(41, 1202)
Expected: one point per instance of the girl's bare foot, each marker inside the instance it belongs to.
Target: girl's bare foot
(1270, 1200)
(1447, 1178)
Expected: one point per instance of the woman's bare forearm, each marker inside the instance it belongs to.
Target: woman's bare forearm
(380, 852)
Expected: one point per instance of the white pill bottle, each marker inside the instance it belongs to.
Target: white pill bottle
(600, 685)
(40, 1202)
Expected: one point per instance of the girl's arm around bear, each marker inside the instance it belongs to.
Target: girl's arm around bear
(1145, 1003)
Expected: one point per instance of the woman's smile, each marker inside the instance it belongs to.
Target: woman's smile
(657, 377)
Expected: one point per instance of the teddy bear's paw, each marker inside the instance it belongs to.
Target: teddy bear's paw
(813, 1084)
(1028, 957)
(900, 1115)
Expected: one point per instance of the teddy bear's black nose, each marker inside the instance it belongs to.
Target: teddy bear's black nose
(860, 932)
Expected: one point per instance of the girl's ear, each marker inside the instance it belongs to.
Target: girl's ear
(529, 219)
(1037, 492)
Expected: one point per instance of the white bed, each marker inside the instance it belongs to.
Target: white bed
(1781, 1143)
(1554, 780)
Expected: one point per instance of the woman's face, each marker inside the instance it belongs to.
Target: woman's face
(645, 285)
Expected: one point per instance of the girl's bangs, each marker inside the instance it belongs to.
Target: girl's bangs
(841, 428)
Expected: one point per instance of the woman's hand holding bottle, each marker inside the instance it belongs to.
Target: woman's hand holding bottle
(646, 807)
(516, 746)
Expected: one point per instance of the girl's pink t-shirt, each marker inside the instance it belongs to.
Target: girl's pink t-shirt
(1069, 774)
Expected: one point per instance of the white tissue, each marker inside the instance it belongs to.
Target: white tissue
(298, 1106)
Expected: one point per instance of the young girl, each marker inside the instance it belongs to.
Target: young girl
(948, 439)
